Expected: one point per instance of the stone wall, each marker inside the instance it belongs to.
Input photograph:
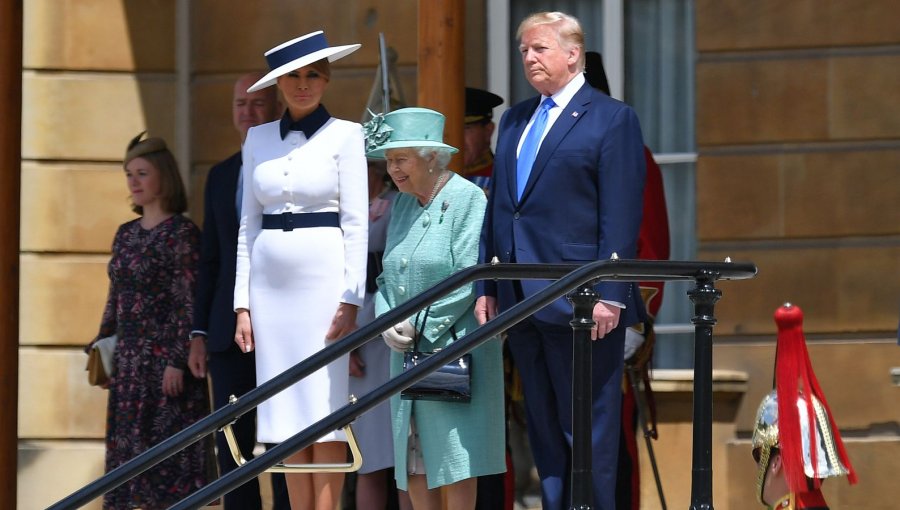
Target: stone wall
(798, 131)
(95, 73)
(798, 134)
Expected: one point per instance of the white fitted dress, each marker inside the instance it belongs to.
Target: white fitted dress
(292, 282)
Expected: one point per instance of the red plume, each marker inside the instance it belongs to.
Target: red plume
(795, 379)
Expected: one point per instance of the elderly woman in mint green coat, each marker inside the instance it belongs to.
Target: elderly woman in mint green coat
(434, 232)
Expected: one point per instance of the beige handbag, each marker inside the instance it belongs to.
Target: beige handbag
(101, 363)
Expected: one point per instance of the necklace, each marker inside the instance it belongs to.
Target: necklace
(437, 186)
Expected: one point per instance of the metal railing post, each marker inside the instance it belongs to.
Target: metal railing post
(704, 297)
(583, 301)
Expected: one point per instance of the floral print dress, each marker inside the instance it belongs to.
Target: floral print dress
(152, 274)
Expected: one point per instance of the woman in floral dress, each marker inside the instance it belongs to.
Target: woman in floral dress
(152, 274)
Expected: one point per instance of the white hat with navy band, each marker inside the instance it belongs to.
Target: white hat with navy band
(297, 53)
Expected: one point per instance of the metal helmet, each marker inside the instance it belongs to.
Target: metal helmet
(827, 462)
(795, 418)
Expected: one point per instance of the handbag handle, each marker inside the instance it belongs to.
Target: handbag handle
(416, 328)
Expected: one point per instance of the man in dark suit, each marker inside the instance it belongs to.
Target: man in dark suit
(567, 187)
(232, 372)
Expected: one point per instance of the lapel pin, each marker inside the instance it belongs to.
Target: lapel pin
(575, 114)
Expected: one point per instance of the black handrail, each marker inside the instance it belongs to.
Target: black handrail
(570, 277)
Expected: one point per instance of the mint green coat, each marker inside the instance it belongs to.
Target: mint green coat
(424, 246)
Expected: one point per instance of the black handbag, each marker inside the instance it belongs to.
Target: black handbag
(449, 383)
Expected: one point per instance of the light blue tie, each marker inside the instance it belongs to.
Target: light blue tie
(529, 149)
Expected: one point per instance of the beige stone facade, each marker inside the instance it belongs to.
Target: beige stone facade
(798, 132)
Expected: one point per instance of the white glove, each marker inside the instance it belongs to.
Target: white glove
(400, 337)
(633, 342)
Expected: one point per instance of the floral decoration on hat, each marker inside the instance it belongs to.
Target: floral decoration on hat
(376, 131)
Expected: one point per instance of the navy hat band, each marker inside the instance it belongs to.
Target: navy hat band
(297, 50)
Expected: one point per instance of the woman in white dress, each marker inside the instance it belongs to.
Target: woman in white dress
(301, 264)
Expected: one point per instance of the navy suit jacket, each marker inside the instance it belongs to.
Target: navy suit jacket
(214, 300)
(582, 202)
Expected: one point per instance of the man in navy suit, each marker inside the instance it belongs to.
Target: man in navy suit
(232, 372)
(569, 190)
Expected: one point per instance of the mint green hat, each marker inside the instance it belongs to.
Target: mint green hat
(406, 127)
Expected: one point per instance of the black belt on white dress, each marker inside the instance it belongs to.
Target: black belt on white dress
(288, 221)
